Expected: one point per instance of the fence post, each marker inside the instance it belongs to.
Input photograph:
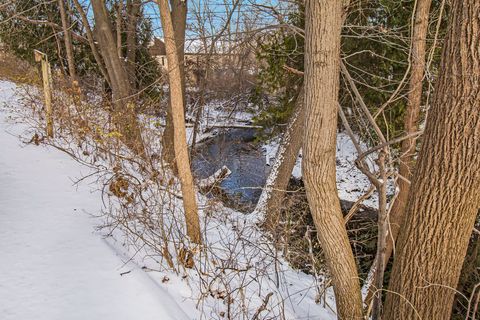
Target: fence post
(47, 89)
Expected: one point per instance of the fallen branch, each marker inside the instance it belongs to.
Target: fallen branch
(215, 178)
(263, 306)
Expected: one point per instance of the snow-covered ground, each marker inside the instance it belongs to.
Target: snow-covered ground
(351, 182)
(53, 265)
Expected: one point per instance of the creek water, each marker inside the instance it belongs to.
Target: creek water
(235, 149)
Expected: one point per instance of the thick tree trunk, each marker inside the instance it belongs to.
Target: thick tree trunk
(133, 12)
(91, 41)
(124, 115)
(323, 24)
(444, 196)
(108, 48)
(178, 117)
(68, 41)
(179, 20)
(411, 123)
(271, 199)
(118, 27)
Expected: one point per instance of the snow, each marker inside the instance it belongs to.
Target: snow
(351, 182)
(218, 115)
(59, 268)
(54, 266)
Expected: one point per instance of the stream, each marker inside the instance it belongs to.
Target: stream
(235, 149)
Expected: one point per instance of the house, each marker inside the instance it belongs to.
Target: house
(222, 66)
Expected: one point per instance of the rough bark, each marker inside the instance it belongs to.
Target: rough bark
(271, 199)
(178, 117)
(179, 20)
(411, 124)
(411, 121)
(444, 195)
(323, 24)
(67, 37)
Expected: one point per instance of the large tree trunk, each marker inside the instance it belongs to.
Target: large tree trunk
(179, 20)
(271, 199)
(323, 24)
(444, 196)
(91, 41)
(108, 48)
(178, 117)
(68, 41)
(124, 115)
(411, 123)
(133, 12)
(118, 25)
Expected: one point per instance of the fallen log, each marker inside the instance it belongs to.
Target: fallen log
(215, 178)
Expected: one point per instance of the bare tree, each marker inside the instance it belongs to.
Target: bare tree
(444, 199)
(179, 20)
(68, 41)
(178, 119)
(118, 27)
(323, 25)
(124, 113)
(91, 41)
(411, 123)
(277, 182)
(108, 48)
(133, 11)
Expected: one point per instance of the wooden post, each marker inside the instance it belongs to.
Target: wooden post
(47, 89)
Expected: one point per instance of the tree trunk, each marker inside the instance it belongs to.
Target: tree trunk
(444, 196)
(68, 41)
(178, 117)
(108, 48)
(323, 24)
(118, 25)
(271, 199)
(179, 20)
(411, 123)
(124, 115)
(133, 11)
(91, 41)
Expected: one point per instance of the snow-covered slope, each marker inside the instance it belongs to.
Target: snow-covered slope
(351, 183)
(53, 266)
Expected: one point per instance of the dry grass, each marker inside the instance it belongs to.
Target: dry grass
(18, 71)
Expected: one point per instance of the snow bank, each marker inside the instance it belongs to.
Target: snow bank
(53, 265)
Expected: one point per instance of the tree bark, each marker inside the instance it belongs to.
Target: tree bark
(323, 24)
(108, 48)
(133, 12)
(444, 196)
(118, 27)
(411, 121)
(68, 42)
(271, 199)
(91, 41)
(124, 115)
(411, 124)
(179, 20)
(178, 117)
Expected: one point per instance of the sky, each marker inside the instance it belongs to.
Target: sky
(248, 14)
